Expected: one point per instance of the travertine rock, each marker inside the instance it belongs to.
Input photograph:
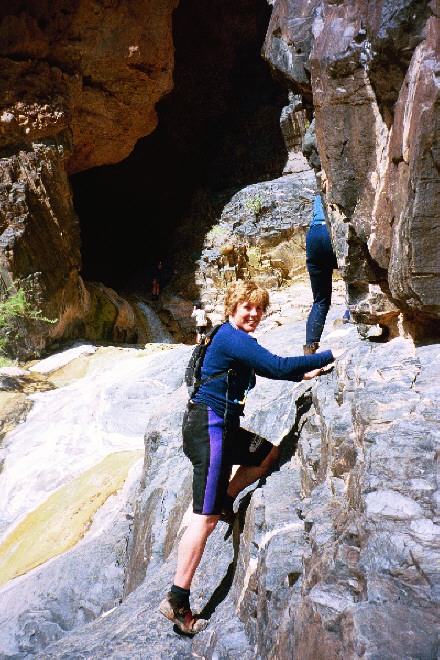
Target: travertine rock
(68, 432)
(38, 608)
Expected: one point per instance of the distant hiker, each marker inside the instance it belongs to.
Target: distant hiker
(156, 281)
(320, 260)
(213, 439)
(201, 321)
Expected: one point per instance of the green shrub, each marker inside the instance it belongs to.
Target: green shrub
(254, 204)
(13, 306)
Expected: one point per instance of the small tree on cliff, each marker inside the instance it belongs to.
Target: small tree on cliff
(14, 306)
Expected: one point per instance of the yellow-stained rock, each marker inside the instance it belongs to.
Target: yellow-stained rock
(61, 521)
(13, 408)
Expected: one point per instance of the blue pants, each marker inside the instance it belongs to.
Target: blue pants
(321, 261)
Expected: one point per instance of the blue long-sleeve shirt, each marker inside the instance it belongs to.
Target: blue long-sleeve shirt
(235, 349)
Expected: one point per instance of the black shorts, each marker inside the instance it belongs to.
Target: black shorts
(213, 448)
(201, 329)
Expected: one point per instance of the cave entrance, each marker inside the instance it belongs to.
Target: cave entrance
(218, 129)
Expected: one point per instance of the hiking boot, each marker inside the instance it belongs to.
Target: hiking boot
(310, 349)
(181, 615)
(338, 323)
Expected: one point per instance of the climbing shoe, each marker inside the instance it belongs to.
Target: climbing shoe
(181, 615)
(310, 349)
(338, 323)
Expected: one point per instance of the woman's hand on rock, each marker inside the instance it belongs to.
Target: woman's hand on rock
(312, 374)
(337, 353)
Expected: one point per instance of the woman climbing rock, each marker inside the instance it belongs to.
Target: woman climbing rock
(213, 439)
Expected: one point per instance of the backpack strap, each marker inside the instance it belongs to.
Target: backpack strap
(198, 383)
(227, 372)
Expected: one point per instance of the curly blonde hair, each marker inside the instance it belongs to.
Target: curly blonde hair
(245, 291)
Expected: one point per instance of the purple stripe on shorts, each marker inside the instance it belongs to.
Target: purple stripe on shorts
(215, 431)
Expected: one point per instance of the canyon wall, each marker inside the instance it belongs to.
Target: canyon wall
(334, 554)
(369, 72)
(77, 89)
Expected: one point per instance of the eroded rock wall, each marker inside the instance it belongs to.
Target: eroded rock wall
(78, 87)
(369, 69)
(94, 68)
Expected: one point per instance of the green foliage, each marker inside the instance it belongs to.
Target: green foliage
(13, 306)
(254, 204)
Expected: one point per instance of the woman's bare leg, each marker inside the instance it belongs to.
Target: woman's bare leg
(191, 547)
(245, 476)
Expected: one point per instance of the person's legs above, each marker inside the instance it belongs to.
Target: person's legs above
(321, 261)
(201, 333)
(321, 281)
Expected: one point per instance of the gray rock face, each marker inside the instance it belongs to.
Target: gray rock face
(289, 42)
(376, 102)
(372, 508)
(310, 148)
(333, 556)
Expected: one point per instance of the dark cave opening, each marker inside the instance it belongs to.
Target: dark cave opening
(218, 129)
